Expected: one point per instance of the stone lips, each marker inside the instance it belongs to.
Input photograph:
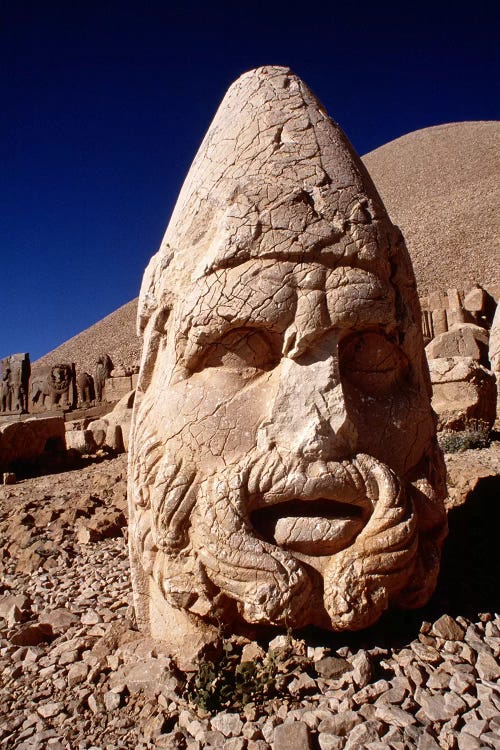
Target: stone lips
(279, 257)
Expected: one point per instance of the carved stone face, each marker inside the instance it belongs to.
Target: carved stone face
(61, 376)
(284, 468)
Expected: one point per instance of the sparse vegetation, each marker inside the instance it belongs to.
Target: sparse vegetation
(477, 435)
(227, 681)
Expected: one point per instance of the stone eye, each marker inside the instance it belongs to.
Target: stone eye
(372, 363)
(245, 350)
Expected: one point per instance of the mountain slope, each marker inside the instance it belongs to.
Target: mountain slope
(441, 187)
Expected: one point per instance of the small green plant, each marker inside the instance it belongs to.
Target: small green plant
(476, 435)
(229, 682)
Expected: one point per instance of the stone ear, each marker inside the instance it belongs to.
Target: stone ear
(153, 334)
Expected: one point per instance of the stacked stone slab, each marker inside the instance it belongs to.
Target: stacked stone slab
(463, 386)
(441, 311)
(119, 384)
(31, 441)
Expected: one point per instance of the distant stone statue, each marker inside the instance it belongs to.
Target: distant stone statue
(15, 383)
(284, 464)
(5, 390)
(85, 385)
(103, 369)
(53, 387)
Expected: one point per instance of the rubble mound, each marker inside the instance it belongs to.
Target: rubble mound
(115, 334)
(440, 186)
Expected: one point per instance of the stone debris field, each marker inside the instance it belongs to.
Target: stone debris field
(74, 673)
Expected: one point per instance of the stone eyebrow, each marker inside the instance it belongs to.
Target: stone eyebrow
(210, 328)
(228, 300)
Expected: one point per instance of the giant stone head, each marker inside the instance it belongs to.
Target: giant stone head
(283, 466)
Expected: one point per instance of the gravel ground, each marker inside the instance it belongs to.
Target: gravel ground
(74, 672)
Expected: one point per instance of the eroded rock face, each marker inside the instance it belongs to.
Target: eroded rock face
(283, 464)
(113, 430)
(463, 340)
(24, 443)
(463, 392)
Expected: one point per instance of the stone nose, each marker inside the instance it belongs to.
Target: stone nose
(309, 416)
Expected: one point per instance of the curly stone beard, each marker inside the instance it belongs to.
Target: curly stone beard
(196, 536)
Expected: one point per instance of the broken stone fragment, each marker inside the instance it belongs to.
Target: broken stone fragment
(32, 634)
(463, 393)
(462, 340)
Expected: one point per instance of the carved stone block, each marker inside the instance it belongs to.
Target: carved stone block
(53, 387)
(463, 391)
(463, 340)
(25, 442)
(14, 386)
(116, 388)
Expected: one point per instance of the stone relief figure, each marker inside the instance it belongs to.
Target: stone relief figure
(52, 387)
(85, 385)
(16, 371)
(103, 369)
(5, 393)
(284, 468)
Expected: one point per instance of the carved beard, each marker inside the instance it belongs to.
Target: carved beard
(196, 537)
(281, 586)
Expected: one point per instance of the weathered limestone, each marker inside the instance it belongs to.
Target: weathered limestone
(117, 387)
(113, 430)
(86, 390)
(81, 441)
(475, 302)
(283, 466)
(103, 370)
(442, 312)
(455, 313)
(463, 340)
(494, 353)
(53, 387)
(14, 385)
(463, 391)
(23, 443)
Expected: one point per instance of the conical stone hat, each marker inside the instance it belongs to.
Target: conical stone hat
(274, 177)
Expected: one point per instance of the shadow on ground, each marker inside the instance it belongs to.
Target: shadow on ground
(468, 583)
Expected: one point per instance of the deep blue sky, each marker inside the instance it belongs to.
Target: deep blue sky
(104, 104)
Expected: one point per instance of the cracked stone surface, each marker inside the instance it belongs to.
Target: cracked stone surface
(284, 468)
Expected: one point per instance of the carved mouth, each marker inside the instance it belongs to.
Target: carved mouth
(312, 527)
